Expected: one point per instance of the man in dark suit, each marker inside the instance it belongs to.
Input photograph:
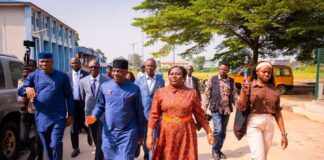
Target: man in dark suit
(191, 81)
(75, 76)
(89, 87)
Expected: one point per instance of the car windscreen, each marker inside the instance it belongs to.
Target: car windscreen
(237, 70)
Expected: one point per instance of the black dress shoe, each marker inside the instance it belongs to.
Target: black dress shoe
(221, 155)
(146, 157)
(89, 138)
(215, 155)
(138, 150)
(31, 156)
(75, 152)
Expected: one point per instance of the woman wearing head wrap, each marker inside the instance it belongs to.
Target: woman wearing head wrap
(262, 99)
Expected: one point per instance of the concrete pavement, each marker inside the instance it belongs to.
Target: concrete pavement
(305, 142)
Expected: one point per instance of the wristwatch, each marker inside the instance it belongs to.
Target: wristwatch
(284, 134)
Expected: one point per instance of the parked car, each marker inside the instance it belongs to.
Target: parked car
(10, 72)
(283, 77)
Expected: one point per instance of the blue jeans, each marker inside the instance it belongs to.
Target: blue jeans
(220, 124)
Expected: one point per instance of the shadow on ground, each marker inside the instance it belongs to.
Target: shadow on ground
(236, 153)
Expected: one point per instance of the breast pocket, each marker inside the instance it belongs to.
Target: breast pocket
(115, 103)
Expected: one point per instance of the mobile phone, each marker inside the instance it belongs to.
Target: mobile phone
(245, 79)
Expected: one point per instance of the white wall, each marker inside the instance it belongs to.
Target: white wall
(12, 30)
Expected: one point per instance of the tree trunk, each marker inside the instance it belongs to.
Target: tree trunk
(255, 55)
(255, 51)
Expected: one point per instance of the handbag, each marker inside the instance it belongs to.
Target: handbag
(240, 123)
(240, 120)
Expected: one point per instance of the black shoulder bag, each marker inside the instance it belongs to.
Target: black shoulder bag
(240, 121)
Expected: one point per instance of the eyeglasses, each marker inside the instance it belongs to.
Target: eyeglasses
(93, 67)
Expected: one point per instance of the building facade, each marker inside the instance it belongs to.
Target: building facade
(170, 64)
(20, 20)
(87, 54)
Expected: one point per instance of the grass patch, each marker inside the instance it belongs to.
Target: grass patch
(303, 72)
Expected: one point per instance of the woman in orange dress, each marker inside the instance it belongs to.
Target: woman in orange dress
(174, 105)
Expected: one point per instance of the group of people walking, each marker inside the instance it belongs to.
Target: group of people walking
(119, 115)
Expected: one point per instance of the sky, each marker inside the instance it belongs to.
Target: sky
(106, 25)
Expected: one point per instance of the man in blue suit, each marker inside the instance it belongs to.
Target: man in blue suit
(148, 84)
(50, 90)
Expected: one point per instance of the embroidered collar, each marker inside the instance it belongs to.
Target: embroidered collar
(174, 90)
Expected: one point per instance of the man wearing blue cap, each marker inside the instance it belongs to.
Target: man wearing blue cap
(120, 102)
(50, 90)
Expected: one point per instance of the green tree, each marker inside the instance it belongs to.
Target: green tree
(135, 60)
(199, 62)
(265, 27)
(158, 63)
(163, 52)
(235, 59)
(307, 58)
(77, 38)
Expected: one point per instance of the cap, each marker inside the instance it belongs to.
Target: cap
(45, 55)
(120, 64)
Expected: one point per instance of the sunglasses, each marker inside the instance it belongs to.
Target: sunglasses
(93, 67)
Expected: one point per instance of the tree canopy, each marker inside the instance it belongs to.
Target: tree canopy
(263, 27)
(135, 60)
(199, 62)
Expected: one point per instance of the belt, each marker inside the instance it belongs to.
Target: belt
(177, 119)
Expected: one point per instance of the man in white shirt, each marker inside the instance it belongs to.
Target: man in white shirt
(191, 81)
(141, 72)
(75, 76)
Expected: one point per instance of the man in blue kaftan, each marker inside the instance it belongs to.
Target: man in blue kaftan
(50, 90)
(120, 102)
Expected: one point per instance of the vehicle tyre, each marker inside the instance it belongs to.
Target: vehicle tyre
(282, 89)
(9, 133)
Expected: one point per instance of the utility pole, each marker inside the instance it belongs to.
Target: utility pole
(133, 44)
(173, 56)
(143, 46)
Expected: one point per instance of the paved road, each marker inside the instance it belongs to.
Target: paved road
(302, 89)
(305, 142)
(305, 137)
